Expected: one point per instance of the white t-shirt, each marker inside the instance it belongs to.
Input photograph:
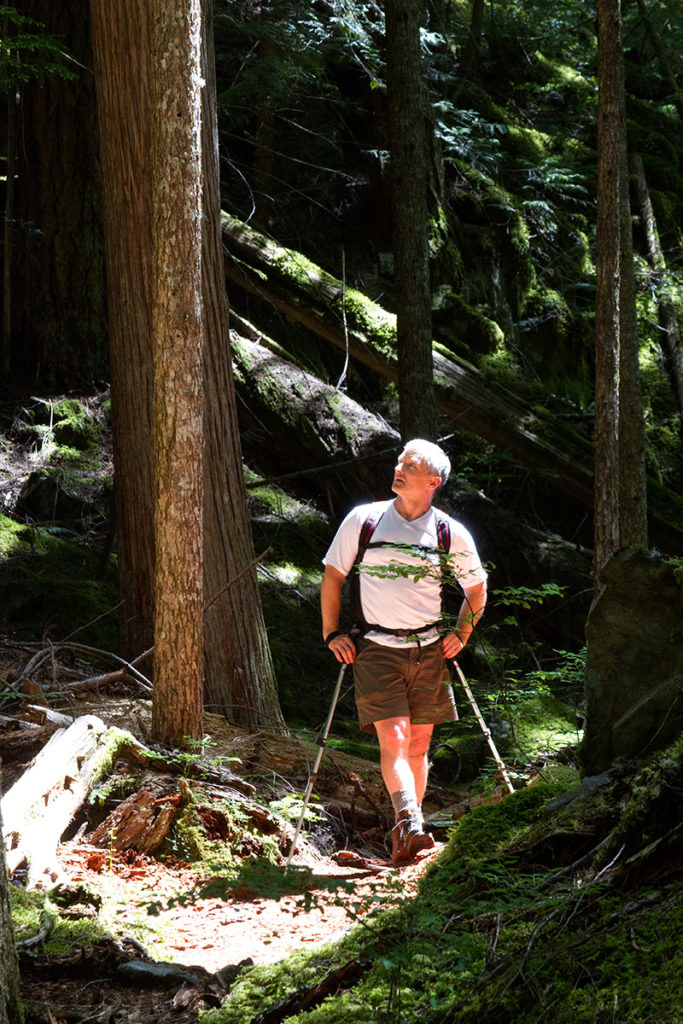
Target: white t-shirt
(403, 601)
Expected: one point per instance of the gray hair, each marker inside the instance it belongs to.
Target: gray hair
(433, 457)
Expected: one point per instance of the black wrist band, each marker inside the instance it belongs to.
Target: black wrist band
(331, 636)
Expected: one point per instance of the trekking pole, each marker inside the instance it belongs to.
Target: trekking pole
(321, 749)
(484, 728)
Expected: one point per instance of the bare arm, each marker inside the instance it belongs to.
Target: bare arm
(342, 646)
(470, 612)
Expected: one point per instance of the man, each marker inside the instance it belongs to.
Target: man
(400, 674)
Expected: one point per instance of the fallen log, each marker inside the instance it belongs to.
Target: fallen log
(314, 298)
(44, 800)
(335, 439)
(352, 322)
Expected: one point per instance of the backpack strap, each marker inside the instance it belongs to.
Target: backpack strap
(360, 625)
(366, 531)
(443, 533)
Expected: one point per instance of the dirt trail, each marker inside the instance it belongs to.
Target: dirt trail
(208, 935)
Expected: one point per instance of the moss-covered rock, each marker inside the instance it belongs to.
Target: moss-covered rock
(463, 329)
(74, 427)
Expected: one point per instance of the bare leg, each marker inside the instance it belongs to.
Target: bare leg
(394, 748)
(420, 736)
(403, 760)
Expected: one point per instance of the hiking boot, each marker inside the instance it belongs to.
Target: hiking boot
(407, 839)
(399, 840)
(418, 841)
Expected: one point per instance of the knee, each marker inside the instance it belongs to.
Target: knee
(393, 735)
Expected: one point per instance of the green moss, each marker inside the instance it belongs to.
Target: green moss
(360, 313)
(447, 263)
(487, 918)
(73, 427)
(52, 583)
(462, 328)
(31, 911)
(542, 724)
(217, 835)
(565, 74)
(530, 143)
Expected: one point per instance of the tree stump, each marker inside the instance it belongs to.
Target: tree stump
(140, 823)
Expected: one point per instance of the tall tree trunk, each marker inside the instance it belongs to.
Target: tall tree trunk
(607, 285)
(122, 75)
(240, 679)
(8, 232)
(59, 330)
(409, 188)
(177, 338)
(10, 1000)
(239, 674)
(470, 54)
(632, 464)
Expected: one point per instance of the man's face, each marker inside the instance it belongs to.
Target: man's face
(413, 479)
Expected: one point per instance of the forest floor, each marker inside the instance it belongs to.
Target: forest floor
(192, 947)
(207, 937)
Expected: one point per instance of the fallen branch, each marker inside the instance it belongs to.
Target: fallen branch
(127, 667)
(120, 675)
(48, 920)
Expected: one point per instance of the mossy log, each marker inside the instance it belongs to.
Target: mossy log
(343, 316)
(309, 425)
(352, 322)
(44, 800)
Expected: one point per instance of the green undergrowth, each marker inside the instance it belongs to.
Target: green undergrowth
(519, 919)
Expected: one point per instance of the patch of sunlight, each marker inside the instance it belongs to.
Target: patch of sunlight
(12, 536)
(292, 575)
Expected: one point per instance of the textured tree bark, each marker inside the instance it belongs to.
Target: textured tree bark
(11, 1011)
(240, 679)
(239, 674)
(632, 470)
(606, 526)
(121, 62)
(59, 327)
(409, 167)
(177, 340)
(620, 477)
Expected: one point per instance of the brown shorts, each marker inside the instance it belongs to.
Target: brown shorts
(409, 682)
